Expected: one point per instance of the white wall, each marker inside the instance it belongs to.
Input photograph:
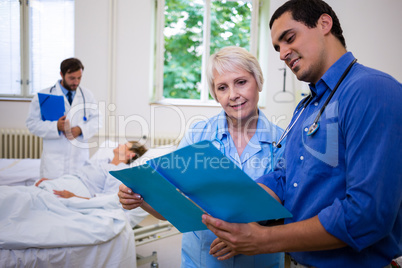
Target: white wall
(371, 28)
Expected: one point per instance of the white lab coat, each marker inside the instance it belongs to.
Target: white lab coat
(62, 156)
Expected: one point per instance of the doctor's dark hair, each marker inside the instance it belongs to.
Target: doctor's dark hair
(71, 65)
(138, 149)
(230, 59)
(308, 12)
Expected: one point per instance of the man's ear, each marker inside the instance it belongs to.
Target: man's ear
(62, 79)
(325, 23)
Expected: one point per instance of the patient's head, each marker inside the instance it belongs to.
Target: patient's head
(127, 153)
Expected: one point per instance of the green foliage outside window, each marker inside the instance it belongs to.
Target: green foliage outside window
(184, 19)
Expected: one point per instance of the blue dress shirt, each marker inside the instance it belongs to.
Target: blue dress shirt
(348, 173)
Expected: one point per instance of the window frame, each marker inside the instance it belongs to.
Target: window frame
(25, 56)
(157, 94)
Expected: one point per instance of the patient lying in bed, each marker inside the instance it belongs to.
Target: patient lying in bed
(94, 175)
(39, 229)
(94, 180)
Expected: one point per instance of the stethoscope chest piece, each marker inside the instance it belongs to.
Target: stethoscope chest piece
(313, 128)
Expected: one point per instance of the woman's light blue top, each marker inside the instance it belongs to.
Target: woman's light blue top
(256, 160)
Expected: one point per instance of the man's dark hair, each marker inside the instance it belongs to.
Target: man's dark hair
(308, 12)
(70, 65)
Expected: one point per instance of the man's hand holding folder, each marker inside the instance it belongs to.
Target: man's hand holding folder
(71, 132)
(63, 125)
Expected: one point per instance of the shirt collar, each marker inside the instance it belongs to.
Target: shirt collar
(263, 132)
(332, 76)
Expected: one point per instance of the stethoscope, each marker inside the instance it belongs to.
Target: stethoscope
(314, 127)
(83, 98)
(222, 147)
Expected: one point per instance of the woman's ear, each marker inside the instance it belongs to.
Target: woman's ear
(131, 155)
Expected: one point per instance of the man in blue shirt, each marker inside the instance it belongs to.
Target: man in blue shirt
(342, 181)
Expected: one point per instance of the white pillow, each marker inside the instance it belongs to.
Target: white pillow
(105, 151)
(153, 153)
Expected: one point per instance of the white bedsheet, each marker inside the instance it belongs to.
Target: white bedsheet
(117, 253)
(34, 233)
(32, 217)
(38, 229)
(19, 171)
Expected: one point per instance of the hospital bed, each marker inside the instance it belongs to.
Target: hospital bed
(30, 242)
(39, 229)
(19, 171)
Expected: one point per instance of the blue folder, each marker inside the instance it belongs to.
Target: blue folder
(51, 106)
(199, 179)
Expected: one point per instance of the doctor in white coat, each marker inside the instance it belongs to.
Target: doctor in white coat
(65, 141)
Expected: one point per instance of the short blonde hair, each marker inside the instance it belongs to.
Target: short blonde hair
(230, 59)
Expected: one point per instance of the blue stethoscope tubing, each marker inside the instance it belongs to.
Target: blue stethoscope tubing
(304, 103)
(83, 98)
(314, 127)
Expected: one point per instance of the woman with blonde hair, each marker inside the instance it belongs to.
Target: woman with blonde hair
(243, 133)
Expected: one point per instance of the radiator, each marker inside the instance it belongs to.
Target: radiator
(164, 140)
(148, 141)
(19, 143)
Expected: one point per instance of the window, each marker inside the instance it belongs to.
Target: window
(188, 32)
(35, 36)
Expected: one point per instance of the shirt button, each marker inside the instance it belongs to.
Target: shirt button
(315, 103)
(306, 129)
(301, 157)
(295, 184)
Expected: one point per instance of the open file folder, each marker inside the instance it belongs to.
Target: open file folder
(199, 179)
(51, 106)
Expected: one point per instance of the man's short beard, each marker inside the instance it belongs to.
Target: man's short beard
(64, 84)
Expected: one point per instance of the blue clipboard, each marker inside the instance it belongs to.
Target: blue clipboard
(51, 106)
(199, 179)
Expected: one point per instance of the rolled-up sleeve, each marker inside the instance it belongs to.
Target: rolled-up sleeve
(371, 122)
(275, 181)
